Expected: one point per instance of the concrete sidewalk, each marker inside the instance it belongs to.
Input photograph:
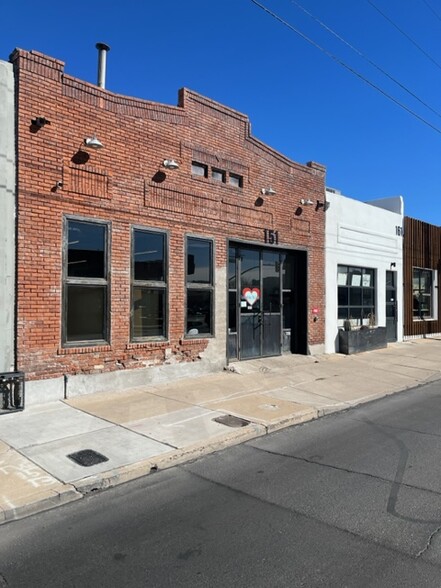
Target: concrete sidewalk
(145, 429)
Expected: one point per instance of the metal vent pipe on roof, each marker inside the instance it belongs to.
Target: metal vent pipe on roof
(102, 54)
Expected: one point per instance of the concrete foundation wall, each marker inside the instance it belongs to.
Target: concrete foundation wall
(7, 217)
(53, 389)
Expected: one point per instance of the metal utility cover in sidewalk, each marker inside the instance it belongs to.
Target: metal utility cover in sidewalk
(231, 421)
(87, 457)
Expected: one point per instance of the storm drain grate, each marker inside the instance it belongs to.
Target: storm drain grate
(231, 421)
(87, 457)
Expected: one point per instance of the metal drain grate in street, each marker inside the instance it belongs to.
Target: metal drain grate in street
(87, 457)
(231, 421)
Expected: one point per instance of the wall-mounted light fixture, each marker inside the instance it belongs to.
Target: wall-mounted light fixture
(40, 121)
(325, 205)
(58, 186)
(93, 142)
(306, 202)
(393, 264)
(170, 164)
(268, 191)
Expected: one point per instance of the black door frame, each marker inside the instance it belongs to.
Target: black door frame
(297, 331)
(392, 305)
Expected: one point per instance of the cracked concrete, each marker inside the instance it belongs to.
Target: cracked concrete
(155, 427)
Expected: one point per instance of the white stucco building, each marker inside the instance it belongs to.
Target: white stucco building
(364, 265)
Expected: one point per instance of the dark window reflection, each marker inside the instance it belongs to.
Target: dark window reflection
(287, 310)
(232, 268)
(198, 312)
(199, 255)
(343, 313)
(287, 271)
(149, 258)
(250, 269)
(343, 296)
(232, 312)
(148, 312)
(85, 250)
(368, 297)
(271, 281)
(356, 313)
(85, 313)
(355, 296)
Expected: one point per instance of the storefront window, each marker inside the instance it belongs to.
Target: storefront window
(199, 279)
(149, 285)
(422, 291)
(356, 295)
(85, 283)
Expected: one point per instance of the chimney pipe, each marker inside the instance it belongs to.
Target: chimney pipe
(102, 50)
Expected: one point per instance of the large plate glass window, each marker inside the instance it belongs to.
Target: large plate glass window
(356, 295)
(422, 292)
(149, 285)
(199, 280)
(86, 284)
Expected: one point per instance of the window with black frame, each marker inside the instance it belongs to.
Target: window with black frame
(86, 284)
(149, 285)
(356, 295)
(199, 282)
(422, 293)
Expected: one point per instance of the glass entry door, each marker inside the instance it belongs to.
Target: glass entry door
(391, 306)
(259, 283)
(271, 304)
(250, 308)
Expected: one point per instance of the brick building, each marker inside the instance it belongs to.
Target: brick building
(182, 244)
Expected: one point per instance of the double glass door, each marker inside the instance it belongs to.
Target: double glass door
(260, 283)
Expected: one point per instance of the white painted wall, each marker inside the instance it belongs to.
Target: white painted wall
(363, 234)
(7, 217)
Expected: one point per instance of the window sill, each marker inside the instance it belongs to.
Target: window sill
(157, 344)
(83, 349)
(188, 339)
(425, 319)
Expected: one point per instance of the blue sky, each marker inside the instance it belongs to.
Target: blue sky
(299, 100)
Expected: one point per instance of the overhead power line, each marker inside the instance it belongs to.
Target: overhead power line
(404, 33)
(345, 65)
(432, 9)
(362, 55)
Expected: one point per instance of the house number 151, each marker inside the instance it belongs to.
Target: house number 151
(271, 236)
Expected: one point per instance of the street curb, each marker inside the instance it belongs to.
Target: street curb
(136, 470)
(66, 495)
(78, 489)
(175, 457)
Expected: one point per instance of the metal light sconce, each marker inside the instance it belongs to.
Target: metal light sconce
(170, 164)
(325, 205)
(40, 121)
(306, 202)
(93, 142)
(268, 191)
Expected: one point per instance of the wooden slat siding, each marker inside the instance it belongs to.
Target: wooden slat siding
(421, 248)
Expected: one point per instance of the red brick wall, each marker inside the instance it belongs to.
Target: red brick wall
(119, 184)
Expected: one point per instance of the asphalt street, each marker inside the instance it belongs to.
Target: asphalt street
(352, 499)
